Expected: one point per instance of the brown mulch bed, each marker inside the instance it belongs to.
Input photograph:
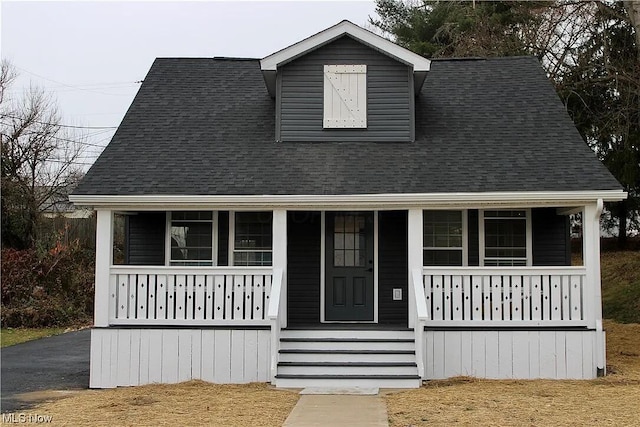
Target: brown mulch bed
(613, 400)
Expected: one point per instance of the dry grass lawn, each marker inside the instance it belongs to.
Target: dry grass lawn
(11, 336)
(610, 401)
(194, 403)
(613, 400)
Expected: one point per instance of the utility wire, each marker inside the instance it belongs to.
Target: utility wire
(63, 126)
(73, 162)
(61, 83)
(94, 144)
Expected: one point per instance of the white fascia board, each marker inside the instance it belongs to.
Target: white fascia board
(356, 201)
(271, 62)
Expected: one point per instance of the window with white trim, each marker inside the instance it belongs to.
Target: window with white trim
(443, 242)
(345, 96)
(252, 238)
(191, 238)
(505, 238)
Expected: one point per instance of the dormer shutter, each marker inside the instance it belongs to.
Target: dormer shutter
(345, 96)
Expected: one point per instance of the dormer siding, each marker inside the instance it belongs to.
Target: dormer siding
(389, 89)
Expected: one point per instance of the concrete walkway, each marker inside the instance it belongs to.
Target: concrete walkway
(338, 410)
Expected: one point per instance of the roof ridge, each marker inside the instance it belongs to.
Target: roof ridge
(204, 58)
(482, 58)
(232, 58)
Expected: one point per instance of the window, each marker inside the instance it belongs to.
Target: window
(345, 96)
(443, 238)
(191, 235)
(349, 240)
(252, 239)
(505, 238)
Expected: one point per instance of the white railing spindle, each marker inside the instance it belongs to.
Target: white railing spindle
(505, 296)
(189, 296)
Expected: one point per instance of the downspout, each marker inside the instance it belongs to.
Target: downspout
(600, 340)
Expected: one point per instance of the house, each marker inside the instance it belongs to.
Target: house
(60, 207)
(344, 211)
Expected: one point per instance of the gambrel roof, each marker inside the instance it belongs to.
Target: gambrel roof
(206, 127)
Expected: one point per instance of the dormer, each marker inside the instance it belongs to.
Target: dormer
(344, 84)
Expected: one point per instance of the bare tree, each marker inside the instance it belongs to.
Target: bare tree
(633, 10)
(40, 159)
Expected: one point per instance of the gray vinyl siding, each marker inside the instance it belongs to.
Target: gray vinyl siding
(300, 96)
(551, 238)
(392, 266)
(223, 238)
(303, 268)
(474, 242)
(145, 240)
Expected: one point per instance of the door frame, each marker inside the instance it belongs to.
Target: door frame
(323, 273)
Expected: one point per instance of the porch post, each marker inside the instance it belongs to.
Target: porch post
(104, 259)
(591, 259)
(414, 239)
(280, 255)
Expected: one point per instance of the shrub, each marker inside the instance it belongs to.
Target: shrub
(47, 288)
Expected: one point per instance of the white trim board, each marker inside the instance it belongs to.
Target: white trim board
(351, 202)
(271, 62)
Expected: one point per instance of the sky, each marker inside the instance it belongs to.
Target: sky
(91, 56)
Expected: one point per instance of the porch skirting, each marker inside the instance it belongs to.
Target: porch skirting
(130, 356)
(137, 356)
(516, 354)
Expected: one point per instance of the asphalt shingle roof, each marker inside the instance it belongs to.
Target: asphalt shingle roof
(207, 127)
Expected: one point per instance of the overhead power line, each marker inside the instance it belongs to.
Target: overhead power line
(63, 84)
(64, 126)
(80, 142)
(72, 162)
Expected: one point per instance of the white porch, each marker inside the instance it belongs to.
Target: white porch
(229, 324)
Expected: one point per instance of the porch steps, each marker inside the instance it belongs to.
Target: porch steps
(341, 358)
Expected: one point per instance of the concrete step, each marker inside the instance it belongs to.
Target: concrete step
(346, 368)
(380, 381)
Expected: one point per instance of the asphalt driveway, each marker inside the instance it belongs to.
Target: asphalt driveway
(55, 363)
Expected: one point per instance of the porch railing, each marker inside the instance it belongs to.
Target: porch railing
(275, 315)
(507, 296)
(189, 295)
(421, 315)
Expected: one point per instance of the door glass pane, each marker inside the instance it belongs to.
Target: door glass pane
(349, 240)
(348, 224)
(349, 259)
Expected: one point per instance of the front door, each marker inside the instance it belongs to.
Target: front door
(349, 267)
